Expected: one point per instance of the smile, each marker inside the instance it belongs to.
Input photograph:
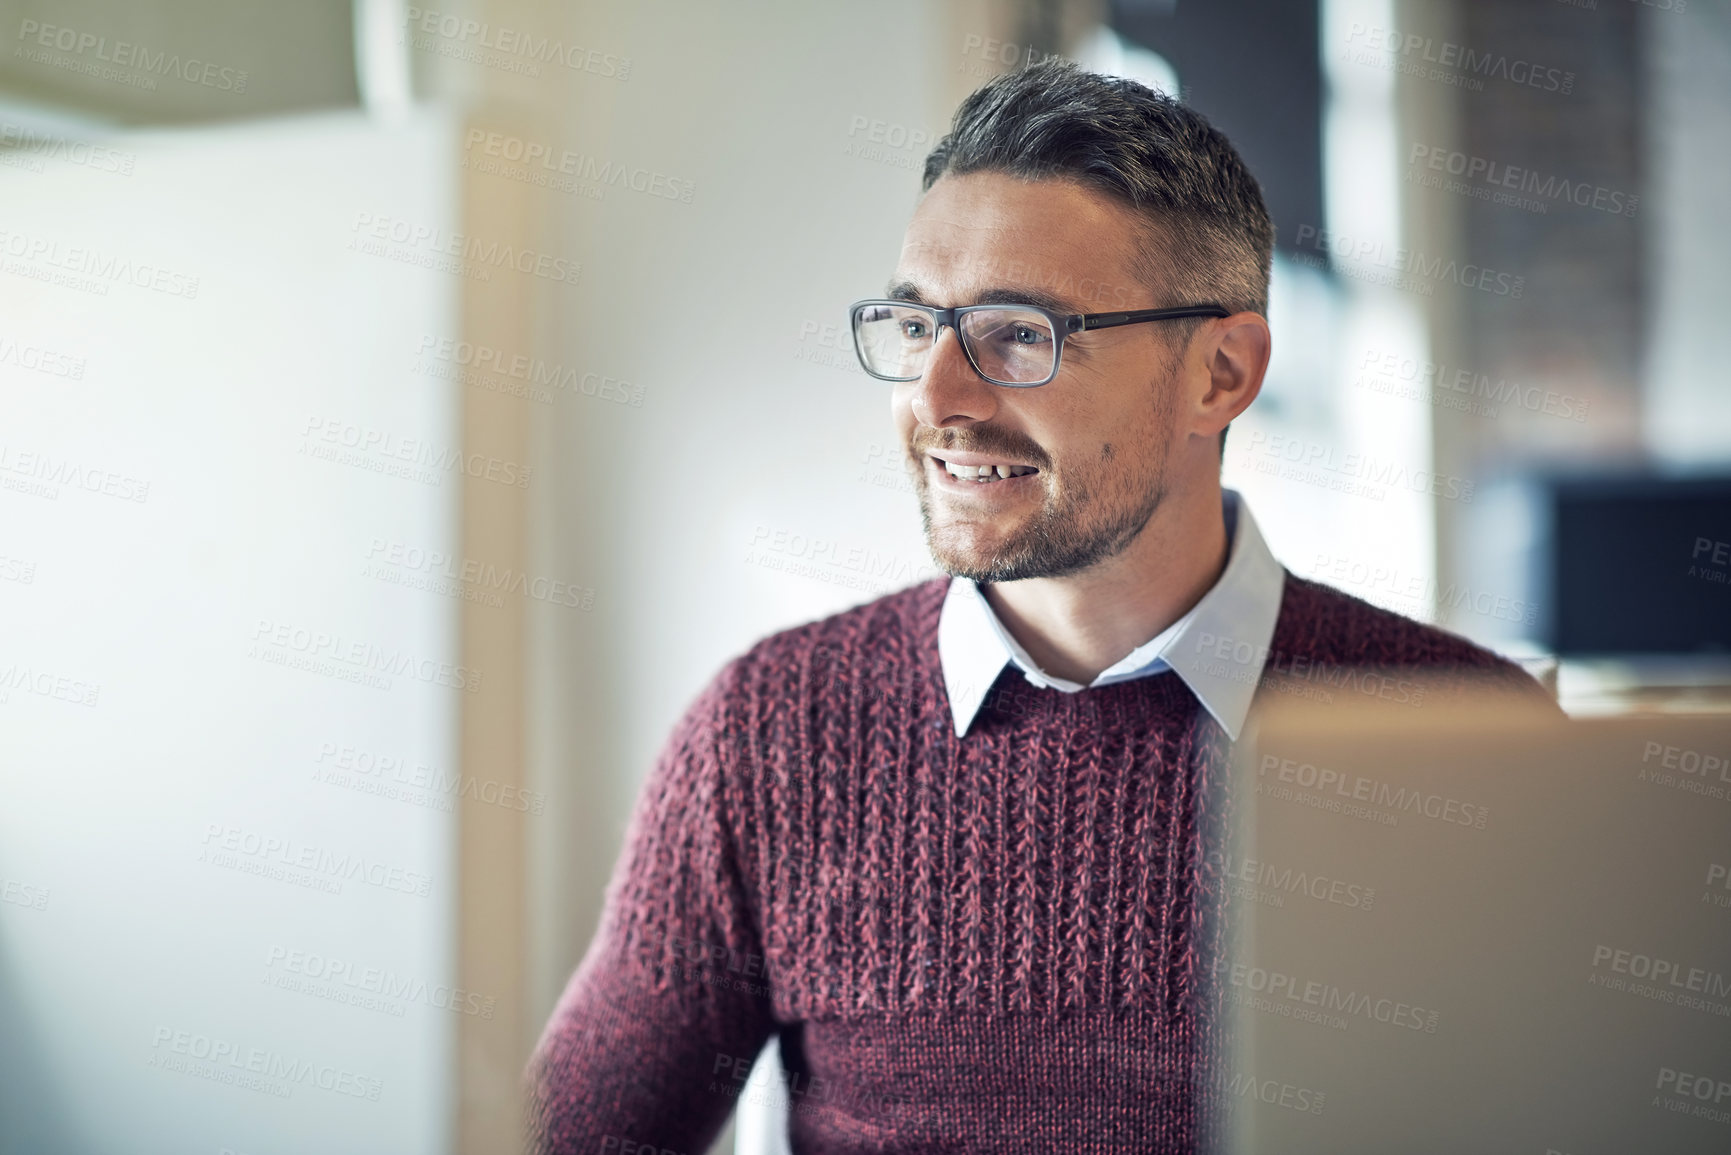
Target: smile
(981, 472)
(984, 473)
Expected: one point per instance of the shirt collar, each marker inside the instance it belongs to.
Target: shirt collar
(1206, 647)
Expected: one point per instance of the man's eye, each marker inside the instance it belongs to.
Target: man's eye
(914, 330)
(1022, 335)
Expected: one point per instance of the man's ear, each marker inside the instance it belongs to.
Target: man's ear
(1232, 357)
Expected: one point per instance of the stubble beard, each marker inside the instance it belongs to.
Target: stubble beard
(1070, 533)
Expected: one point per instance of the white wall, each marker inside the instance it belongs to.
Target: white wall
(161, 613)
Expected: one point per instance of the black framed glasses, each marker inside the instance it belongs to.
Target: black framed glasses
(1015, 345)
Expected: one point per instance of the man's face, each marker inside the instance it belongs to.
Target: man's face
(1098, 435)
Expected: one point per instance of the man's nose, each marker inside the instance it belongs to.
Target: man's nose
(949, 391)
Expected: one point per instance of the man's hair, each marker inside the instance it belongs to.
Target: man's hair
(1209, 236)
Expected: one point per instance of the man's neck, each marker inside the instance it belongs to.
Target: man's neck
(1074, 627)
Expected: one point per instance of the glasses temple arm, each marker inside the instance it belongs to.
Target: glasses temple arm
(1082, 321)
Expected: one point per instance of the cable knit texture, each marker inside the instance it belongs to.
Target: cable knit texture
(1002, 942)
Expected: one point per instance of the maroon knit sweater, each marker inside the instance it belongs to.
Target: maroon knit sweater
(1001, 942)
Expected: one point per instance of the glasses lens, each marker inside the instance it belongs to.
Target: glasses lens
(893, 340)
(1013, 345)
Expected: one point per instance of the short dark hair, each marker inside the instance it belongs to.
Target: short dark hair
(1210, 236)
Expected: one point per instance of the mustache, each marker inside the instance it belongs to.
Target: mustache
(982, 439)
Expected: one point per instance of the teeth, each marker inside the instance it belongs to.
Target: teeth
(984, 473)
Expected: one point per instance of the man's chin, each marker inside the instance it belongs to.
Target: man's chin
(968, 552)
(972, 552)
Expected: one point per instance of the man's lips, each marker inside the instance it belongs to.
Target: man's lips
(958, 457)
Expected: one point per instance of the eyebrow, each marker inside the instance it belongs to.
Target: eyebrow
(998, 295)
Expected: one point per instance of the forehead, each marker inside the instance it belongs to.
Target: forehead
(987, 230)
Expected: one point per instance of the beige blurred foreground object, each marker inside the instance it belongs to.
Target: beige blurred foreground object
(1461, 927)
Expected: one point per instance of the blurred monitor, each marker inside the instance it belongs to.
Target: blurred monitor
(1640, 566)
(1462, 931)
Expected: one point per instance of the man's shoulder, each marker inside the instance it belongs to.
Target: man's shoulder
(899, 629)
(1325, 624)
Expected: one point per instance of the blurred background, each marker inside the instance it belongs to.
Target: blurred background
(404, 411)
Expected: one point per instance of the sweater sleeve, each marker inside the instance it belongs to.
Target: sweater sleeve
(670, 1006)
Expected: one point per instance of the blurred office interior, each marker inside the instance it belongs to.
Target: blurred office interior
(408, 409)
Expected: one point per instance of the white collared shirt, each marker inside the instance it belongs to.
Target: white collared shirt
(1239, 610)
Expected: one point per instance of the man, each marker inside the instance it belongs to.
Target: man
(950, 844)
